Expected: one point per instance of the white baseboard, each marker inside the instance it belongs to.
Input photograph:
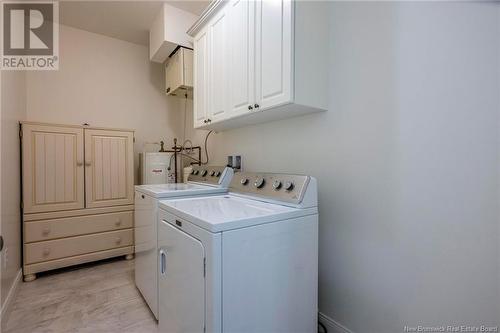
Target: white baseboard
(331, 325)
(5, 309)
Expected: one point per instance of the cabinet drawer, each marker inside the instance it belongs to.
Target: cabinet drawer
(74, 226)
(60, 248)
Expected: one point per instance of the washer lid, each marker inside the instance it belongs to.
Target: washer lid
(227, 212)
(178, 190)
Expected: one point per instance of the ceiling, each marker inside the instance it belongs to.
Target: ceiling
(126, 20)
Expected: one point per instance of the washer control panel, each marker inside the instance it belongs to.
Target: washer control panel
(281, 187)
(206, 174)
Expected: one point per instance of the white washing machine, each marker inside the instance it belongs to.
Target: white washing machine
(246, 261)
(203, 180)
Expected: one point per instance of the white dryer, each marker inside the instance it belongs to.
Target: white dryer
(203, 180)
(246, 261)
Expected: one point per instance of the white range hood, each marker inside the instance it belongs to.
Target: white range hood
(168, 31)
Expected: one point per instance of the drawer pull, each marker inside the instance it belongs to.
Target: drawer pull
(46, 231)
(118, 222)
(118, 240)
(46, 252)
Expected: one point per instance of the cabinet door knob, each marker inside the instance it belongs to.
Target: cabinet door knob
(256, 106)
(46, 231)
(79, 163)
(209, 120)
(88, 163)
(118, 240)
(118, 222)
(46, 251)
(142, 196)
(250, 107)
(205, 121)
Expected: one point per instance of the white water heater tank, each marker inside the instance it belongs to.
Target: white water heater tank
(153, 168)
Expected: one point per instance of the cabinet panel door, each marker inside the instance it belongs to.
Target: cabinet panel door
(52, 168)
(273, 44)
(218, 66)
(187, 63)
(200, 78)
(241, 56)
(173, 73)
(109, 163)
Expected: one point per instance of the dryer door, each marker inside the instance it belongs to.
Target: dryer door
(181, 281)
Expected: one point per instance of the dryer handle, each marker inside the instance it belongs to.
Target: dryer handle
(163, 262)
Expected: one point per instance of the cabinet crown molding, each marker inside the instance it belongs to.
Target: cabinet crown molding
(205, 16)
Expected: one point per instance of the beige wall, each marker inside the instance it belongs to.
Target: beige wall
(13, 110)
(107, 82)
(407, 163)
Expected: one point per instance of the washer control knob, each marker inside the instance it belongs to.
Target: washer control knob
(244, 181)
(193, 171)
(217, 173)
(212, 173)
(259, 182)
(196, 172)
(289, 186)
(277, 184)
(203, 173)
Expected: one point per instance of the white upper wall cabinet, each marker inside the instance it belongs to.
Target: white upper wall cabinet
(241, 56)
(273, 53)
(267, 60)
(200, 76)
(218, 36)
(169, 30)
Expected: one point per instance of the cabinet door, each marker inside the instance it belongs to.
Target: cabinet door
(187, 62)
(241, 56)
(218, 66)
(109, 163)
(273, 43)
(52, 168)
(173, 73)
(200, 78)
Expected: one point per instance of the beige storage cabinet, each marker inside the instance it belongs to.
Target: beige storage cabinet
(179, 73)
(77, 195)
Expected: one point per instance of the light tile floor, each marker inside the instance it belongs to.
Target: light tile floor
(98, 297)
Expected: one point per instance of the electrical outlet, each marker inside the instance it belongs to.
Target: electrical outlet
(234, 161)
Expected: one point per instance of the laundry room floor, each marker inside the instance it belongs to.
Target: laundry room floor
(98, 297)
